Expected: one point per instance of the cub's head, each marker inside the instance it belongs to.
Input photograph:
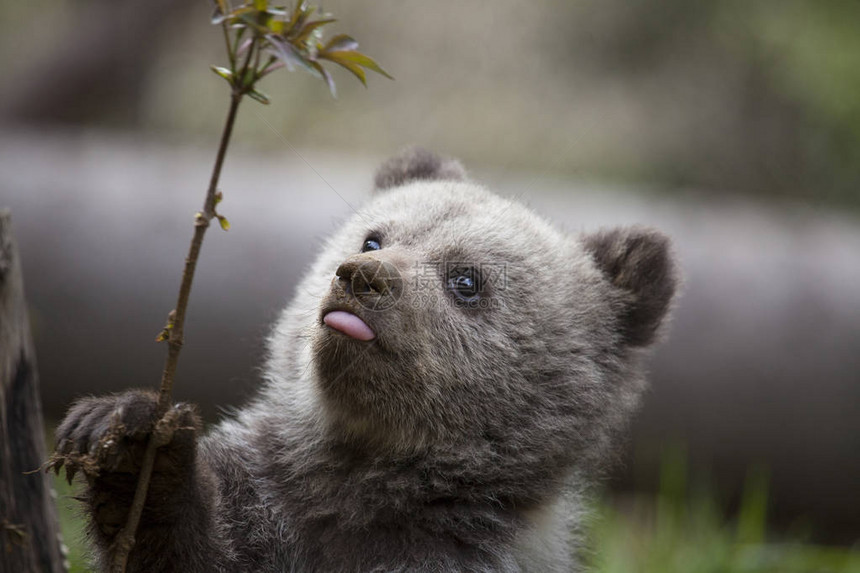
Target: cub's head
(442, 313)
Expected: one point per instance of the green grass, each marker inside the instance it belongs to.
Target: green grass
(71, 524)
(679, 531)
(674, 531)
(702, 543)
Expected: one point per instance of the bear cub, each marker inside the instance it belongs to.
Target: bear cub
(445, 384)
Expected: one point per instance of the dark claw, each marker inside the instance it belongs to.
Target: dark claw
(108, 433)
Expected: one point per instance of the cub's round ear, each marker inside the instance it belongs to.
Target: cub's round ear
(416, 163)
(638, 261)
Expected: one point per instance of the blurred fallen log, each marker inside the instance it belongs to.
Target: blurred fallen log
(761, 366)
(101, 58)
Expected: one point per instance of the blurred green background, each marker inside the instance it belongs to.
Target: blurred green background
(724, 96)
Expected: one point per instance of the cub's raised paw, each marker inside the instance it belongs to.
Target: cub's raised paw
(108, 434)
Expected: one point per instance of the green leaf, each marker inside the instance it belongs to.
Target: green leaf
(243, 47)
(341, 42)
(239, 33)
(260, 97)
(276, 26)
(353, 57)
(250, 78)
(241, 11)
(311, 26)
(355, 69)
(165, 332)
(250, 18)
(225, 224)
(270, 66)
(224, 73)
(283, 51)
(289, 54)
(300, 22)
(297, 12)
(327, 77)
(369, 63)
(218, 16)
(261, 5)
(221, 11)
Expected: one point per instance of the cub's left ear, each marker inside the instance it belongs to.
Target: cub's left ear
(416, 163)
(638, 261)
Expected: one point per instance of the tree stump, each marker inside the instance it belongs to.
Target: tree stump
(29, 531)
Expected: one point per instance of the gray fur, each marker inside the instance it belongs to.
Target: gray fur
(416, 164)
(638, 261)
(460, 439)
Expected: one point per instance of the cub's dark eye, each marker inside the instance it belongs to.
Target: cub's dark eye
(465, 284)
(370, 245)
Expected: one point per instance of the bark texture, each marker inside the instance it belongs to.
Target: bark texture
(29, 531)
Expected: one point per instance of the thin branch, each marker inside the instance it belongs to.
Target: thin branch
(242, 87)
(270, 67)
(230, 55)
(243, 82)
(124, 540)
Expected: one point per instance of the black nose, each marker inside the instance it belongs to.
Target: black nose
(367, 277)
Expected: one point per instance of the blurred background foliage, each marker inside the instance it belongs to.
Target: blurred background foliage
(758, 98)
(684, 529)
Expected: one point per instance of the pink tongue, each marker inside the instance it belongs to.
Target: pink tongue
(349, 324)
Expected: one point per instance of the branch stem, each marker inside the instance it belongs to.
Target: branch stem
(124, 540)
(230, 55)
